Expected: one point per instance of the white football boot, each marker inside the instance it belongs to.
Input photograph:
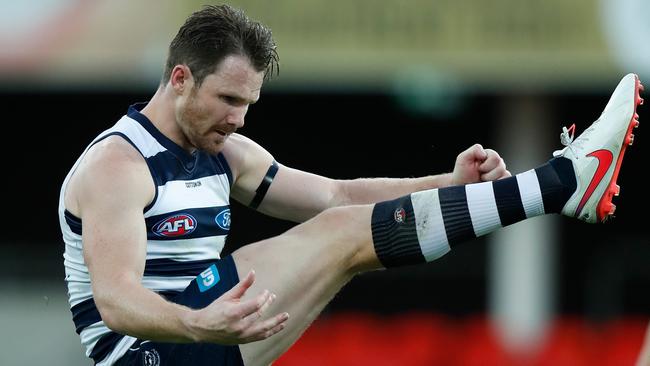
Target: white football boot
(598, 152)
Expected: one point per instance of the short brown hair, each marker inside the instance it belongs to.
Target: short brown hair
(215, 32)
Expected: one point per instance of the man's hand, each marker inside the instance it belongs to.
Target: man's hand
(477, 164)
(229, 320)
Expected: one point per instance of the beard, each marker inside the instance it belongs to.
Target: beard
(195, 124)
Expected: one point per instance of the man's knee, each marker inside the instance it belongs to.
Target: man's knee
(344, 220)
(338, 216)
(348, 231)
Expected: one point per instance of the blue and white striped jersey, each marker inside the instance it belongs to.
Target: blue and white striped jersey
(187, 224)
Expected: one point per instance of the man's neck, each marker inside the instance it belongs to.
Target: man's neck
(160, 111)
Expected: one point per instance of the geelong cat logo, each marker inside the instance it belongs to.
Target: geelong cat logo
(151, 358)
(177, 225)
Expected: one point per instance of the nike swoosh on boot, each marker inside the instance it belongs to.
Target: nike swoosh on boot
(605, 158)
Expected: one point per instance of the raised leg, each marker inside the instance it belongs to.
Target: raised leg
(306, 266)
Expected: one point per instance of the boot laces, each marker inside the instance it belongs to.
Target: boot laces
(567, 139)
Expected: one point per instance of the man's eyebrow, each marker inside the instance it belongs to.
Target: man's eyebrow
(238, 98)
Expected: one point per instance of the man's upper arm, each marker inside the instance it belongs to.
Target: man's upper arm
(293, 194)
(110, 189)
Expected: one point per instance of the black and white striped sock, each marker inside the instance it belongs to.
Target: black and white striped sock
(423, 226)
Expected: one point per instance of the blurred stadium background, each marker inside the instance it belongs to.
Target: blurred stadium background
(366, 88)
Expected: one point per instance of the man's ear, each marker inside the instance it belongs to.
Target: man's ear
(181, 78)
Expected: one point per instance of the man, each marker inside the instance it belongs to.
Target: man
(144, 211)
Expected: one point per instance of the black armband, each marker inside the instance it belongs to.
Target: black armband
(260, 192)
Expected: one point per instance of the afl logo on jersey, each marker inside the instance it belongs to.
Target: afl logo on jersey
(177, 225)
(223, 219)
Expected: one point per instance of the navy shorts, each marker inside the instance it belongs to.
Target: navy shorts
(218, 278)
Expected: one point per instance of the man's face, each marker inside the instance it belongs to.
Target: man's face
(209, 114)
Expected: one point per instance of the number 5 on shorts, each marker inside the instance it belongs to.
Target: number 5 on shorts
(208, 278)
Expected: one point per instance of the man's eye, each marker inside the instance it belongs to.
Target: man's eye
(234, 101)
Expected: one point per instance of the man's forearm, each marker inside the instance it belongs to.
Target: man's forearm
(372, 190)
(139, 312)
